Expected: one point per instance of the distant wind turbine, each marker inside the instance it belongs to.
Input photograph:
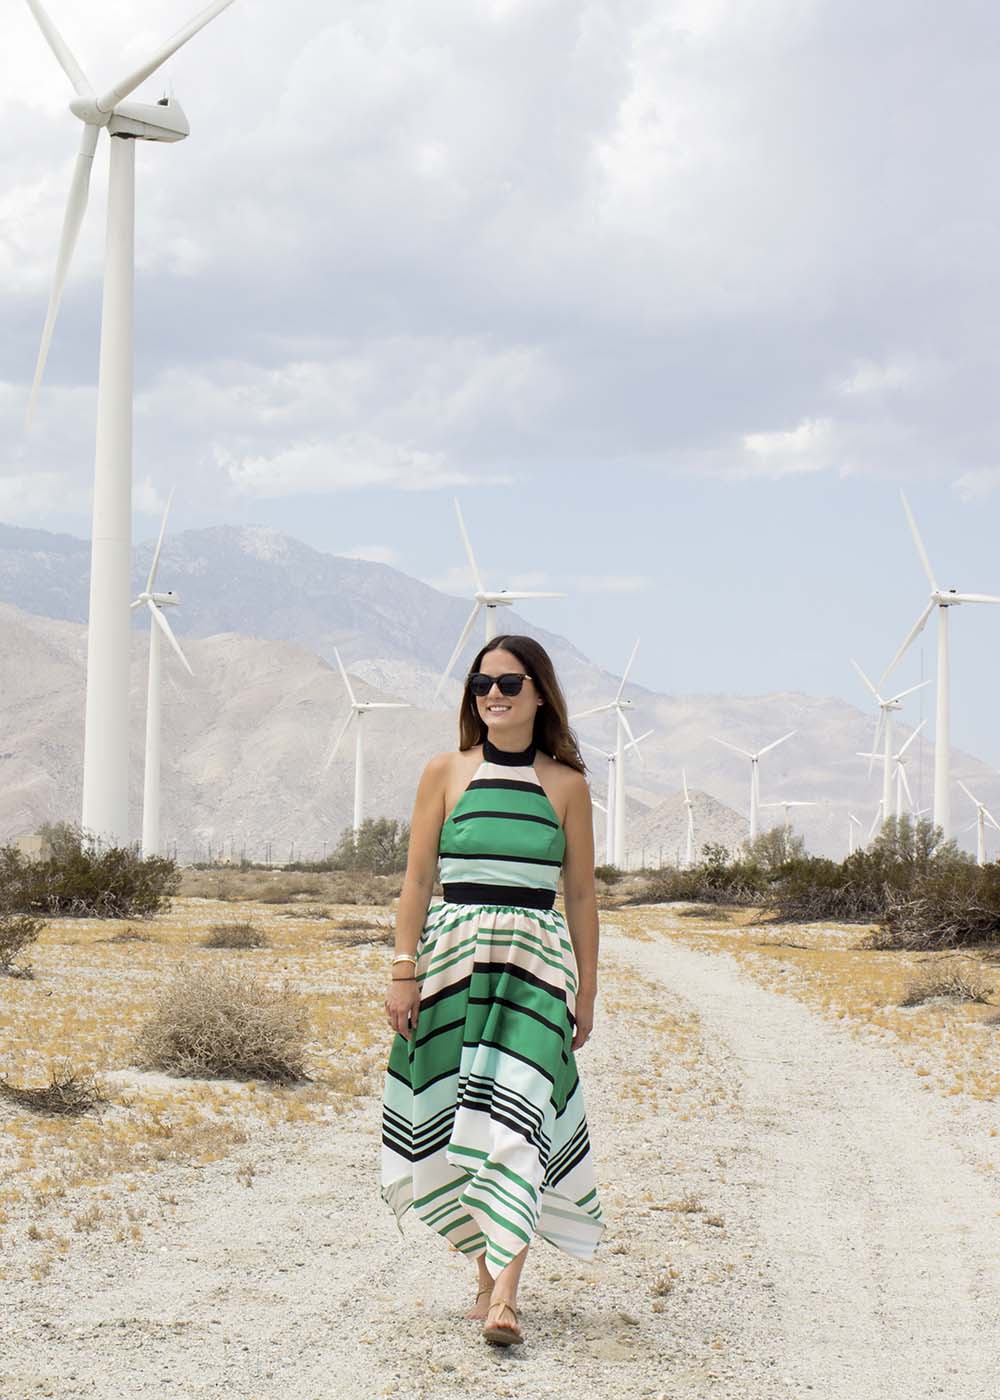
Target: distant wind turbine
(852, 822)
(105, 756)
(942, 599)
(359, 708)
(885, 725)
(983, 815)
(689, 844)
(611, 758)
(488, 601)
(754, 773)
(898, 761)
(155, 602)
(622, 728)
(787, 806)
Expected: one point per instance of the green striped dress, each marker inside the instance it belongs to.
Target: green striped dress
(484, 1132)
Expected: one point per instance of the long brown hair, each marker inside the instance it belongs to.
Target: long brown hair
(552, 733)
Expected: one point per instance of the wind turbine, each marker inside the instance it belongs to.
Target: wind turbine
(899, 772)
(611, 757)
(787, 806)
(359, 708)
(942, 599)
(689, 846)
(105, 757)
(886, 709)
(488, 601)
(853, 821)
(983, 815)
(155, 602)
(622, 727)
(754, 773)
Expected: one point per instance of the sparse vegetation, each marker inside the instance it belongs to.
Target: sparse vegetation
(950, 980)
(17, 932)
(237, 933)
(68, 1092)
(224, 1023)
(80, 878)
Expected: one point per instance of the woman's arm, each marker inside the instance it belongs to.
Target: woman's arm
(580, 899)
(402, 1002)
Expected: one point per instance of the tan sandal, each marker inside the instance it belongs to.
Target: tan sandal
(488, 1289)
(498, 1334)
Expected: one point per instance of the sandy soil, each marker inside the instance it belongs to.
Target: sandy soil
(789, 1214)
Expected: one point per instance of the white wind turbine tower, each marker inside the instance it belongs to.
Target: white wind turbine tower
(787, 806)
(689, 845)
(105, 758)
(622, 727)
(852, 822)
(359, 708)
(983, 815)
(898, 761)
(754, 773)
(611, 758)
(155, 602)
(488, 601)
(885, 713)
(942, 599)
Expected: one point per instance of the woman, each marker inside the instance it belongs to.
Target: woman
(484, 1128)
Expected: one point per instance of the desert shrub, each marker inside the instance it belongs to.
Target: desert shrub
(380, 848)
(237, 933)
(946, 980)
(609, 874)
(17, 932)
(224, 1023)
(81, 878)
(69, 1093)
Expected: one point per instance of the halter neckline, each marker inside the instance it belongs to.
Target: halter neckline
(523, 759)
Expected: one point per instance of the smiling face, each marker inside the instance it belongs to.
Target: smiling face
(509, 719)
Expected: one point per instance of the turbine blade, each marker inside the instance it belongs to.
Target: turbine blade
(991, 818)
(976, 598)
(468, 549)
(628, 667)
(866, 680)
(76, 206)
(919, 542)
(344, 674)
(967, 792)
(61, 49)
(878, 730)
(914, 632)
(911, 739)
(510, 596)
(159, 544)
(761, 752)
(726, 744)
(458, 649)
(594, 749)
(632, 744)
(596, 710)
(919, 686)
(333, 752)
(906, 785)
(165, 628)
(129, 84)
(685, 782)
(636, 742)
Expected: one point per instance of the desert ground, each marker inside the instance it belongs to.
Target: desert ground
(800, 1176)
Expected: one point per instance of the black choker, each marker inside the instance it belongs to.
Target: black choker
(524, 759)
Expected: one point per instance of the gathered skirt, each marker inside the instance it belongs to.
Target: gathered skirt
(484, 1130)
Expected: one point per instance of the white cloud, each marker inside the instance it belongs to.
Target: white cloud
(873, 378)
(809, 447)
(356, 461)
(977, 485)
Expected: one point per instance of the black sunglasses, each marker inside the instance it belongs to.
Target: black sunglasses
(481, 684)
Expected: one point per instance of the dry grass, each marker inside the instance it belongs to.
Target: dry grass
(235, 933)
(67, 1093)
(950, 980)
(224, 1023)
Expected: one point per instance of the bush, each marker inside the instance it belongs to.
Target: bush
(953, 981)
(380, 847)
(236, 934)
(82, 879)
(68, 1093)
(17, 932)
(217, 1022)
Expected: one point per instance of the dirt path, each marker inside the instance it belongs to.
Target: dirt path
(833, 1243)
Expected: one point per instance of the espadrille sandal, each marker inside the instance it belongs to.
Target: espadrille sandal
(499, 1335)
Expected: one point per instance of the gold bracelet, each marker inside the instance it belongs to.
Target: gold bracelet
(405, 957)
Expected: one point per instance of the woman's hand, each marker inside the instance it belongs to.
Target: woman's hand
(584, 1018)
(402, 1005)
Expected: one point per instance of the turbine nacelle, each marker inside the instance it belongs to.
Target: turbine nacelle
(146, 121)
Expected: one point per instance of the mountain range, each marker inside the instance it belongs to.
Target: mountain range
(246, 738)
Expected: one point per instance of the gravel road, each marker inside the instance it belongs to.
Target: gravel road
(839, 1238)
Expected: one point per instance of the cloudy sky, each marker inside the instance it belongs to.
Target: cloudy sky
(675, 295)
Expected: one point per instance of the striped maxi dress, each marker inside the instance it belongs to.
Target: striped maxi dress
(484, 1131)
